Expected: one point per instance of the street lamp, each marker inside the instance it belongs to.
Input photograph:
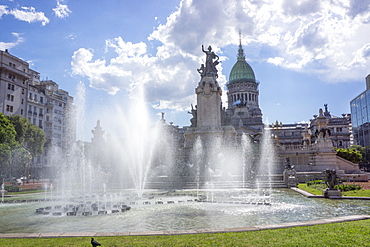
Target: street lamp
(276, 127)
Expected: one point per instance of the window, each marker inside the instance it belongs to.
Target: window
(9, 108)
(21, 111)
(22, 90)
(339, 129)
(22, 101)
(11, 77)
(41, 99)
(10, 97)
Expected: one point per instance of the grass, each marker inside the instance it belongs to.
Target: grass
(360, 193)
(354, 233)
(313, 190)
(26, 192)
(309, 189)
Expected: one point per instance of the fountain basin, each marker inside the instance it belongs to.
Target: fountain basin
(222, 209)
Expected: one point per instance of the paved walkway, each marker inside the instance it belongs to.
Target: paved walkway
(222, 230)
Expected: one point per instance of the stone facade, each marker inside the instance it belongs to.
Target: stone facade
(42, 102)
(14, 79)
(206, 122)
(243, 111)
(306, 133)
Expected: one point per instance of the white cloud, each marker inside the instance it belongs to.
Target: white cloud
(165, 75)
(62, 10)
(29, 14)
(326, 38)
(19, 39)
(3, 10)
(275, 60)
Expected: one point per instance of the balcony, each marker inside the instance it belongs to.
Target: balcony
(16, 71)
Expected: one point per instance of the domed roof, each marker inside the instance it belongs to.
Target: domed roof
(241, 70)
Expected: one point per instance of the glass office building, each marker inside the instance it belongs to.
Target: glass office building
(360, 113)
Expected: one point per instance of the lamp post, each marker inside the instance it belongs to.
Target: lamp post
(276, 127)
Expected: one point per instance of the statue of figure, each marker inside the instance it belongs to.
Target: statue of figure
(201, 70)
(330, 178)
(193, 112)
(288, 166)
(210, 68)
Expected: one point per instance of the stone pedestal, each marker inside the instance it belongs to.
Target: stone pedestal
(290, 178)
(331, 193)
(208, 116)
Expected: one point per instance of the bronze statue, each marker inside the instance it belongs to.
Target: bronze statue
(331, 178)
(193, 112)
(210, 68)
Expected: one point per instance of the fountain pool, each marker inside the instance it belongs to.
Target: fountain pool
(180, 211)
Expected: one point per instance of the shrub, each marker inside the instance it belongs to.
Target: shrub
(348, 187)
(11, 188)
(313, 182)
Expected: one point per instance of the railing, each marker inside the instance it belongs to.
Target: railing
(297, 147)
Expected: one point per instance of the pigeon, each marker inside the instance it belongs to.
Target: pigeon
(94, 243)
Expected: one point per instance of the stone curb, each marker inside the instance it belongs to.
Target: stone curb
(182, 232)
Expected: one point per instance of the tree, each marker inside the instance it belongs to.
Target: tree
(19, 142)
(28, 135)
(7, 144)
(20, 126)
(7, 131)
(34, 140)
(349, 154)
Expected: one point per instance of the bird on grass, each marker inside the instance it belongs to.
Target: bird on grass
(94, 243)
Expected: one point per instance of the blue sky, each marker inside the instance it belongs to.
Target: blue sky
(304, 53)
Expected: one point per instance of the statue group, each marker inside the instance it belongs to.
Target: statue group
(331, 178)
(212, 60)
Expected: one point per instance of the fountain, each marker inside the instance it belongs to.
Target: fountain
(2, 191)
(143, 179)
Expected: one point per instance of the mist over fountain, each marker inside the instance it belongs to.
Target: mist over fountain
(135, 163)
(150, 175)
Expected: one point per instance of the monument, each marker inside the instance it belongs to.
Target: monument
(331, 180)
(206, 121)
(290, 174)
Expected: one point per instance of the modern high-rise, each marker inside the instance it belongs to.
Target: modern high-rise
(360, 112)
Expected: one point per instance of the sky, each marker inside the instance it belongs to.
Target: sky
(304, 53)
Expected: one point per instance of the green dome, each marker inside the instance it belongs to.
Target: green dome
(241, 70)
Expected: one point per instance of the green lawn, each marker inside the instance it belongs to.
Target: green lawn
(309, 189)
(360, 193)
(26, 192)
(354, 233)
